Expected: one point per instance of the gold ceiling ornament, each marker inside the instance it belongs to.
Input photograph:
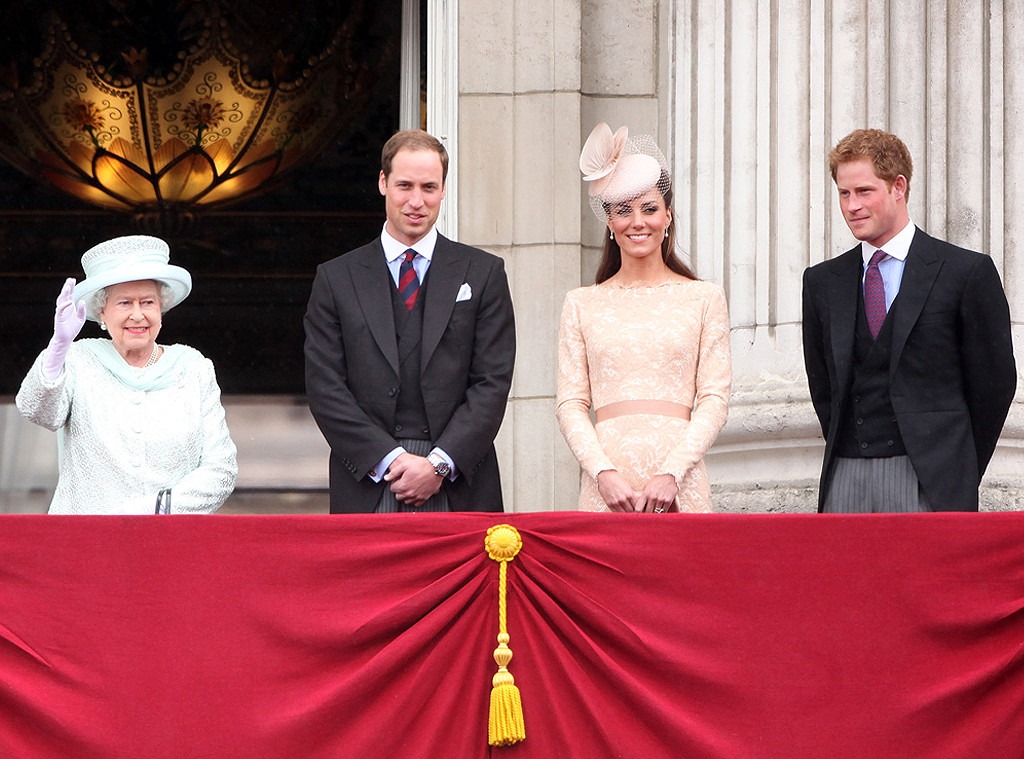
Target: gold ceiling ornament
(201, 134)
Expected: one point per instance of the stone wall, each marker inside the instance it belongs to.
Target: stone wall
(746, 99)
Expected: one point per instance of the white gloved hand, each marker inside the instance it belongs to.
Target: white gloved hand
(137, 505)
(67, 323)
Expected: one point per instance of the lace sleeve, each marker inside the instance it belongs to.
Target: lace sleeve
(713, 388)
(572, 404)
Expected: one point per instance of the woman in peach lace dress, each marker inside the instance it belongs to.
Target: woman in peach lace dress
(646, 347)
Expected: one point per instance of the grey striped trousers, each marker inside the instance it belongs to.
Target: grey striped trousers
(866, 486)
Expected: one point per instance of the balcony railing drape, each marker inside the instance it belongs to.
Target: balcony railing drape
(654, 636)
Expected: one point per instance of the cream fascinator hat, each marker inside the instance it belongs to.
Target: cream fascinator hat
(620, 167)
(131, 259)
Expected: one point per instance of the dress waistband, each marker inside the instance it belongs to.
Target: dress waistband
(621, 408)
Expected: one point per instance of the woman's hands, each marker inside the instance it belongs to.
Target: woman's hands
(658, 496)
(67, 323)
(615, 491)
(69, 318)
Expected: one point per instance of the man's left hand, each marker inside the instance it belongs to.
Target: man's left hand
(413, 479)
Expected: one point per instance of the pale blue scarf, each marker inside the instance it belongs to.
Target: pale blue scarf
(160, 375)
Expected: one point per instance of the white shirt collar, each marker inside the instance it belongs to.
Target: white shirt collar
(897, 247)
(394, 249)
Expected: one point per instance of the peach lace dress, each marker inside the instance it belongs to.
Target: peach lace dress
(665, 342)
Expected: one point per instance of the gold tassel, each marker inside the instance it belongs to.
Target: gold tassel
(505, 725)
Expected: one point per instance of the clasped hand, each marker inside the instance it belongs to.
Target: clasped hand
(412, 479)
(659, 494)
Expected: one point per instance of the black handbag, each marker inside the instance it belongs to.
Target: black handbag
(163, 501)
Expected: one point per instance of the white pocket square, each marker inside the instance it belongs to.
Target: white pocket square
(465, 293)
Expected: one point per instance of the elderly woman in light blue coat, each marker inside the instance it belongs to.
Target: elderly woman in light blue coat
(140, 425)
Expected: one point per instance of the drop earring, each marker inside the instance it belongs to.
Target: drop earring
(103, 326)
(611, 235)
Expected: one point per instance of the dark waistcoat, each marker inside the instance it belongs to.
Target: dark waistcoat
(868, 427)
(410, 413)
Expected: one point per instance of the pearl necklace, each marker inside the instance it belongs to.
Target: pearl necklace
(157, 350)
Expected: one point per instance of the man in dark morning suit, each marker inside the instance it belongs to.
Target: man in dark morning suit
(410, 344)
(907, 348)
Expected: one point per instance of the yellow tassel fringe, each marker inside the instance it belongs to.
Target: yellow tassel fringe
(505, 725)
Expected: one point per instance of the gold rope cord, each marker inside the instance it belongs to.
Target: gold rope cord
(505, 725)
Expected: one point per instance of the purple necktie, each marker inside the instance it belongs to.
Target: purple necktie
(409, 283)
(874, 294)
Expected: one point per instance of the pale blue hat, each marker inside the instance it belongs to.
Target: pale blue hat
(130, 259)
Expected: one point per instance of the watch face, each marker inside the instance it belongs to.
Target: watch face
(441, 467)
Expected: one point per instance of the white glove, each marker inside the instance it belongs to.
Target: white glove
(137, 505)
(67, 323)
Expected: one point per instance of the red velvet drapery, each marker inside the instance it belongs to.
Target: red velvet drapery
(787, 636)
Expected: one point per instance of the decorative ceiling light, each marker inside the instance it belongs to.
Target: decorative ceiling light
(203, 132)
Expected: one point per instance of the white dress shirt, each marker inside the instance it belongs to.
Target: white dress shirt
(892, 267)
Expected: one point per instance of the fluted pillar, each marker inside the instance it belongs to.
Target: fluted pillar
(761, 92)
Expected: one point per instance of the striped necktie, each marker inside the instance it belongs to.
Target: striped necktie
(408, 282)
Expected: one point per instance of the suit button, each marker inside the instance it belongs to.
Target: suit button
(392, 392)
(891, 443)
(863, 445)
(860, 421)
(398, 428)
(856, 399)
(425, 430)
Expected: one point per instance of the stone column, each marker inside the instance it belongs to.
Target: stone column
(519, 126)
(759, 96)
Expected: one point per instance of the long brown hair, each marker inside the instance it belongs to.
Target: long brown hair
(611, 254)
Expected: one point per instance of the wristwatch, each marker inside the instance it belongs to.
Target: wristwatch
(441, 467)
